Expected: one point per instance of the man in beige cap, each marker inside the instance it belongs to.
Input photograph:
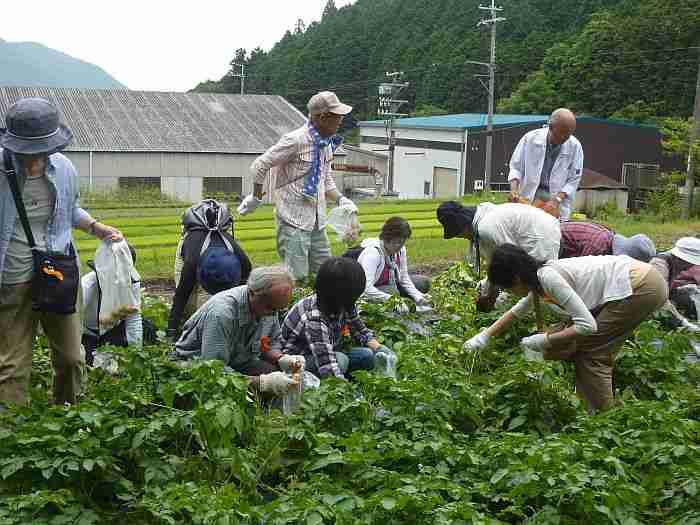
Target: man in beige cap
(300, 164)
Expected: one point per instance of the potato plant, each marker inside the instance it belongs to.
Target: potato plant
(485, 439)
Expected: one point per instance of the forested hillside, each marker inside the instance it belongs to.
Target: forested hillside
(597, 56)
(32, 64)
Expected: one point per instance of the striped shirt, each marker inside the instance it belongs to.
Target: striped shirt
(288, 162)
(579, 239)
(308, 332)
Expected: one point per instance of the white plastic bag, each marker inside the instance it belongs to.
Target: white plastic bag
(386, 363)
(345, 223)
(116, 275)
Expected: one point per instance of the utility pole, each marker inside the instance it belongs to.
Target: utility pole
(693, 146)
(388, 107)
(240, 75)
(492, 9)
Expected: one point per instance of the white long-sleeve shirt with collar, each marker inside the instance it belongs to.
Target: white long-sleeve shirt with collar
(527, 161)
(535, 231)
(373, 260)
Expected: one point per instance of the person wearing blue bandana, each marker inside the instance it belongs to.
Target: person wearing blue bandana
(300, 166)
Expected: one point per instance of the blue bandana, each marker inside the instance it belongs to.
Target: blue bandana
(314, 176)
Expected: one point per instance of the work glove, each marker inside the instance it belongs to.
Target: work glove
(277, 383)
(249, 204)
(537, 342)
(291, 363)
(423, 300)
(477, 342)
(402, 308)
(344, 202)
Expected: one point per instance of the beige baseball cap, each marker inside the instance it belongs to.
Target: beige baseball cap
(327, 102)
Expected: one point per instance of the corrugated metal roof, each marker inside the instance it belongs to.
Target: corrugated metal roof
(122, 120)
(460, 121)
(592, 180)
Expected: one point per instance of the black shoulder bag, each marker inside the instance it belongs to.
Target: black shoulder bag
(56, 275)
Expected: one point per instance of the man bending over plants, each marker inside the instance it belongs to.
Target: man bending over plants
(606, 297)
(236, 326)
(315, 326)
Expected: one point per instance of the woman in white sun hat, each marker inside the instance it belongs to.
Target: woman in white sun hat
(680, 267)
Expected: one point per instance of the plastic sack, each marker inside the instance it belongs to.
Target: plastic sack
(106, 361)
(385, 363)
(345, 223)
(292, 399)
(116, 275)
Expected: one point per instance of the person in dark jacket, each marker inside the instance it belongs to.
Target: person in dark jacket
(216, 268)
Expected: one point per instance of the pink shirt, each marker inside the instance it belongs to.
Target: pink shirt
(288, 162)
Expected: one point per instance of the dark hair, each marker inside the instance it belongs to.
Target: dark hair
(133, 253)
(510, 262)
(339, 283)
(455, 218)
(395, 228)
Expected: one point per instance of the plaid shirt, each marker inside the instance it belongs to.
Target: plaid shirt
(308, 332)
(288, 162)
(579, 239)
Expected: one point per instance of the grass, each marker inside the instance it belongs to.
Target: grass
(154, 230)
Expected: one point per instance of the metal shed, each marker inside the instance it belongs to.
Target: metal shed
(444, 156)
(187, 144)
(597, 191)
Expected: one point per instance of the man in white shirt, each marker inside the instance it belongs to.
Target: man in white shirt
(300, 164)
(547, 165)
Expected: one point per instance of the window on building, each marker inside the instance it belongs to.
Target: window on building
(222, 185)
(426, 188)
(140, 182)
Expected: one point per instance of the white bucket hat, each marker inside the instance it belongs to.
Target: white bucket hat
(688, 250)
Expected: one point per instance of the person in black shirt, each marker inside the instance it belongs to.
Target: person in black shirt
(209, 257)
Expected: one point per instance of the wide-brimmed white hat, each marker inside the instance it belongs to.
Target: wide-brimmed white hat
(687, 249)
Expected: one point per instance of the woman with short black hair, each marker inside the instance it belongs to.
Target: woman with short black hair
(314, 326)
(606, 297)
(385, 264)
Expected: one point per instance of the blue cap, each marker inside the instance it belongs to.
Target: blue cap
(219, 270)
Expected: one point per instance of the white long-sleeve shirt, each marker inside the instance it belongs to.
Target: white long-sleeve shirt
(535, 231)
(373, 260)
(91, 297)
(288, 162)
(527, 161)
(580, 284)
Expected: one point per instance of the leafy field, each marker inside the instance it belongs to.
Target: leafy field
(485, 440)
(154, 229)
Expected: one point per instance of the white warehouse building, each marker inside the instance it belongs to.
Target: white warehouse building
(188, 145)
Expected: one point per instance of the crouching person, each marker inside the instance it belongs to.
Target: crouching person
(680, 268)
(236, 325)
(606, 298)
(127, 332)
(315, 325)
(385, 264)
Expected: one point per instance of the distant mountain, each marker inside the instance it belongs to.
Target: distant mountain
(32, 64)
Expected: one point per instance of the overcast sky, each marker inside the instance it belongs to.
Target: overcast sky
(156, 45)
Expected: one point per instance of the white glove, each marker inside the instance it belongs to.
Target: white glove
(277, 383)
(344, 202)
(401, 308)
(477, 342)
(291, 363)
(249, 204)
(537, 342)
(423, 300)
